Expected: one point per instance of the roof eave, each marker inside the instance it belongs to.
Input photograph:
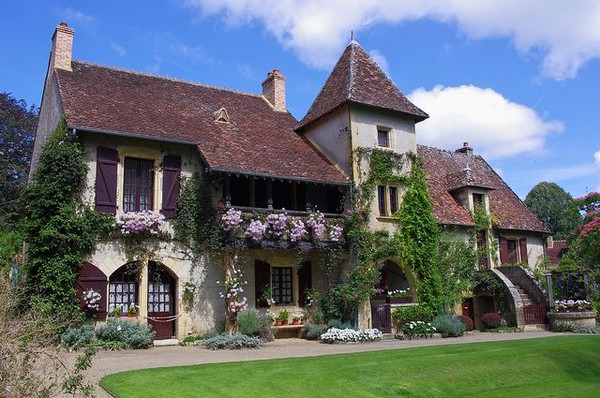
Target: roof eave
(128, 134)
(275, 177)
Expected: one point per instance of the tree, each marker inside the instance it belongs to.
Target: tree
(585, 247)
(17, 131)
(551, 204)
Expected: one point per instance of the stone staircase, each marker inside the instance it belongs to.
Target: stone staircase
(528, 301)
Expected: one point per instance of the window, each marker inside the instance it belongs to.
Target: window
(393, 200)
(281, 285)
(512, 251)
(381, 200)
(122, 288)
(138, 184)
(383, 138)
(387, 199)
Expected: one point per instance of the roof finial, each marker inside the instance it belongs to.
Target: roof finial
(352, 37)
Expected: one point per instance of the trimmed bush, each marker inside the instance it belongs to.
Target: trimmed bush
(249, 322)
(314, 331)
(232, 342)
(403, 315)
(417, 329)
(491, 320)
(334, 335)
(448, 325)
(467, 321)
(337, 324)
(132, 334)
(75, 338)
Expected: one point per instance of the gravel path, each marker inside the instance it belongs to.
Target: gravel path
(108, 362)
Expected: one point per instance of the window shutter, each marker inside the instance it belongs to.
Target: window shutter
(523, 249)
(262, 279)
(171, 173)
(91, 277)
(503, 250)
(106, 180)
(304, 281)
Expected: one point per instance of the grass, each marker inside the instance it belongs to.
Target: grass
(547, 367)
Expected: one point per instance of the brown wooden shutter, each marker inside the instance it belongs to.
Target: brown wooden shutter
(262, 279)
(503, 250)
(91, 277)
(106, 180)
(171, 173)
(304, 281)
(523, 249)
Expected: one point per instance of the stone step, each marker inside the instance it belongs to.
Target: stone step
(535, 328)
(166, 342)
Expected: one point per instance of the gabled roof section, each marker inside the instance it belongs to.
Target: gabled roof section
(357, 78)
(257, 140)
(508, 212)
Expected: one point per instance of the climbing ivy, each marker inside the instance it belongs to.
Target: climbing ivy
(419, 236)
(59, 230)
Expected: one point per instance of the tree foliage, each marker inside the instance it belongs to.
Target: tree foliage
(585, 247)
(17, 131)
(551, 204)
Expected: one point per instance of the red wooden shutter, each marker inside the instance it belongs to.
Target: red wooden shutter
(171, 173)
(304, 281)
(91, 277)
(262, 279)
(523, 249)
(503, 250)
(106, 180)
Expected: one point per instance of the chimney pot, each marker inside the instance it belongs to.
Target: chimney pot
(273, 89)
(62, 47)
(466, 149)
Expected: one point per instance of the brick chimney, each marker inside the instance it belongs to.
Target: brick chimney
(273, 89)
(62, 47)
(465, 149)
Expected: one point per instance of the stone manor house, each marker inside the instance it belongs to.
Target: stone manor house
(144, 134)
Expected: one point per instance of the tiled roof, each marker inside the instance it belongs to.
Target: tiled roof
(258, 140)
(507, 210)
(357, 78)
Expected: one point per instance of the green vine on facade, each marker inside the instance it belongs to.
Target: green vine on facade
(60, 231)
(419, 237)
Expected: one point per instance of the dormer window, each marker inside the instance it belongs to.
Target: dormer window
(222, 116)
(383, 138)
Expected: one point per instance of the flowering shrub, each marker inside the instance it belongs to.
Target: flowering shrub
(256, 230)
(281, 226)
(316, 223)
(277, 224)
(399, 293)
(232, 220)
(140, 222)
(336, 233)
(334, 335)
(573, 305)
(92, 299)
(491, 320)
(417, 329)
(233, 289)
(298, 231)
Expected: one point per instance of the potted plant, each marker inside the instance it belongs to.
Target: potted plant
(282, 317)
(266, 296)
(399, 296)
(297, 318)
(132, 310)
(116, 312)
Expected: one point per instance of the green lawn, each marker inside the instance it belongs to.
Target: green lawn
(562, 366)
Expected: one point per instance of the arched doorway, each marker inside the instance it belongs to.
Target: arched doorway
(161, 300)
(392, 279)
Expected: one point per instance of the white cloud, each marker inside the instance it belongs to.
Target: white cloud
(118, 49)
(566, 33)
(494, 126)
(74, 17)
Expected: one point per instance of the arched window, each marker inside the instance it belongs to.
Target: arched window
(123, 287)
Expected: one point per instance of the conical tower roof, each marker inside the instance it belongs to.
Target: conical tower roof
(357, 78)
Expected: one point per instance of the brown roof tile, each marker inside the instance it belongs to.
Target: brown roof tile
(257, 141)
(357, 78)
(507, 210)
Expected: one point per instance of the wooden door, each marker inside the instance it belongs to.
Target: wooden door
(161, 304)
(381, 317)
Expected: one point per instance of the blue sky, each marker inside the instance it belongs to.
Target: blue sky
(519, 80)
